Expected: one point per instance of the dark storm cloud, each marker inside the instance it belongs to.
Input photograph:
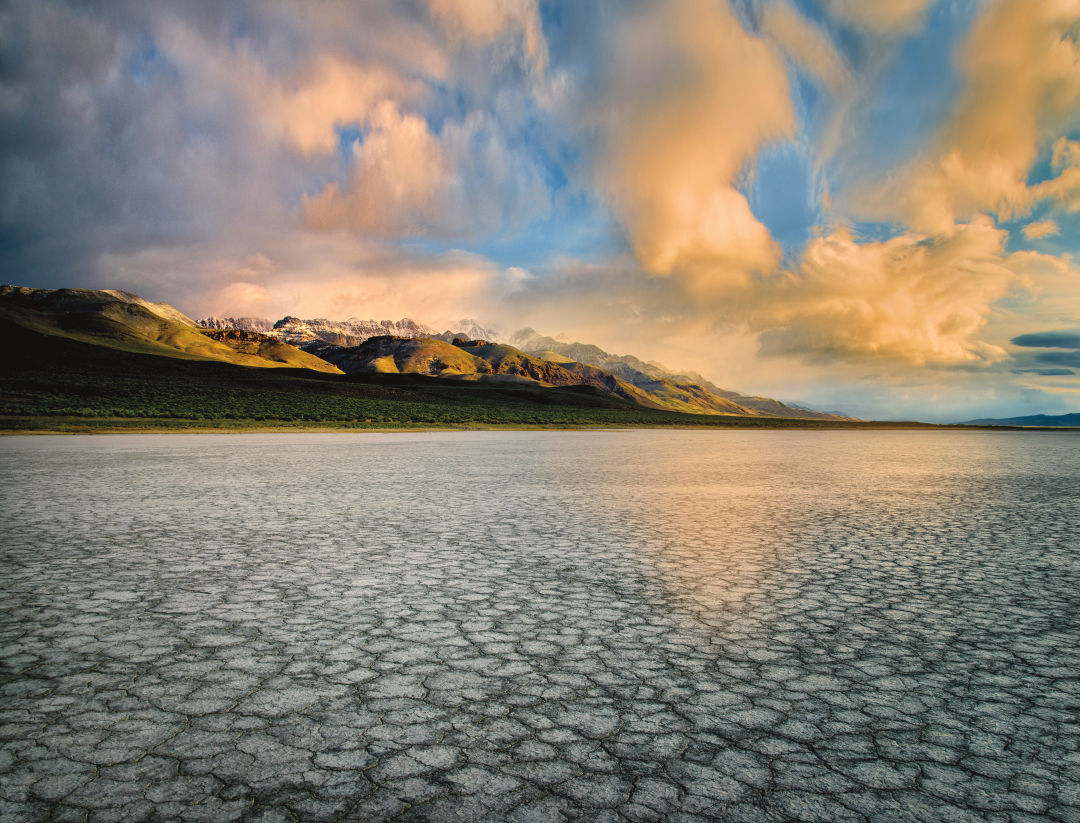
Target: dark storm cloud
(1068, 359)
(100, 149)
(1045, 372)
(1049, 340)
(137, 126)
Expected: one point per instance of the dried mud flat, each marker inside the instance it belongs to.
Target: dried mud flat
(541, 626)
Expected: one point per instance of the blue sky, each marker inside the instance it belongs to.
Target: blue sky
(833, 201)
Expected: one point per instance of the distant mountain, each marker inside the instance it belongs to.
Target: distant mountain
(471, 360)
(686, 391)
(1072, 419)
(347, 333)
(119, 320)
(483, 360)
(259, 324)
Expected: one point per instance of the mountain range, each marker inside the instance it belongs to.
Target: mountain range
(122, 321)
(351, 332)
(475, 353)
(1071, 420)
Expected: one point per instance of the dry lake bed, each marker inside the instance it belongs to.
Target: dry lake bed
(538, 626)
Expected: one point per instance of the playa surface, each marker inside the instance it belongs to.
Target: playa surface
(535, 626)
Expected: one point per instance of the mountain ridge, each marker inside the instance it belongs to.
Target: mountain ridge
(654, 377)
(351, 332)
(1070, 419)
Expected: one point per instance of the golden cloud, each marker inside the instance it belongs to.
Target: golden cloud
(1043, 228)
(911, 298)
(693, 97)
(806, 44)
(1022, 86)
(880, 16)
(400, 174)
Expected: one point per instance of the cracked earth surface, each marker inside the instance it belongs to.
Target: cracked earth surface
(537, 626)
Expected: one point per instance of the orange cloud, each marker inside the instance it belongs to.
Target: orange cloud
(1043, 228)
(693, 98)
(334, 92)
(1022, 87)
(399, 178)
(806, 44)
(880, 16)
(909, 298)
(487, 20)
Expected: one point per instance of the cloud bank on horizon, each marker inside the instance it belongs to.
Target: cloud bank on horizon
(874, 206)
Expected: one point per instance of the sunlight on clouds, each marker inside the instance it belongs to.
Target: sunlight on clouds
(693, 97)
(1042, 228)
(880, 16)
(332, 276)
(1022, 74)
(336, 92)
(909, 298)
(486, 20)
(406, 180)
(806, 44)
(400, 174)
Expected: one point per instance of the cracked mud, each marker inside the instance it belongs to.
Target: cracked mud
(597, 626)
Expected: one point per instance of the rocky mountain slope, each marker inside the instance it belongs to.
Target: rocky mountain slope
(351, 332)
(484, 360)
(259, 324)
(473, 360)
(683, 391)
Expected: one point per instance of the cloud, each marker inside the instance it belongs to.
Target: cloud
(308, 275)
(399, 178)
(1049, 340)
(135, 125)
(1021, 71)
(880, 16)
(487, 20)
(806, 44)
(692, 98)
(406, 180)
(1059, 358)
(1043, 228)
(335, 92)
(1045, 372)
(913, 299)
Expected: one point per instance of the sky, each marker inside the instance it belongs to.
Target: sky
(866, 206)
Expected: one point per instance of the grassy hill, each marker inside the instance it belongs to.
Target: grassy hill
(125, 322)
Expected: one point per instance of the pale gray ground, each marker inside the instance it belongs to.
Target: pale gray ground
(531, 626)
